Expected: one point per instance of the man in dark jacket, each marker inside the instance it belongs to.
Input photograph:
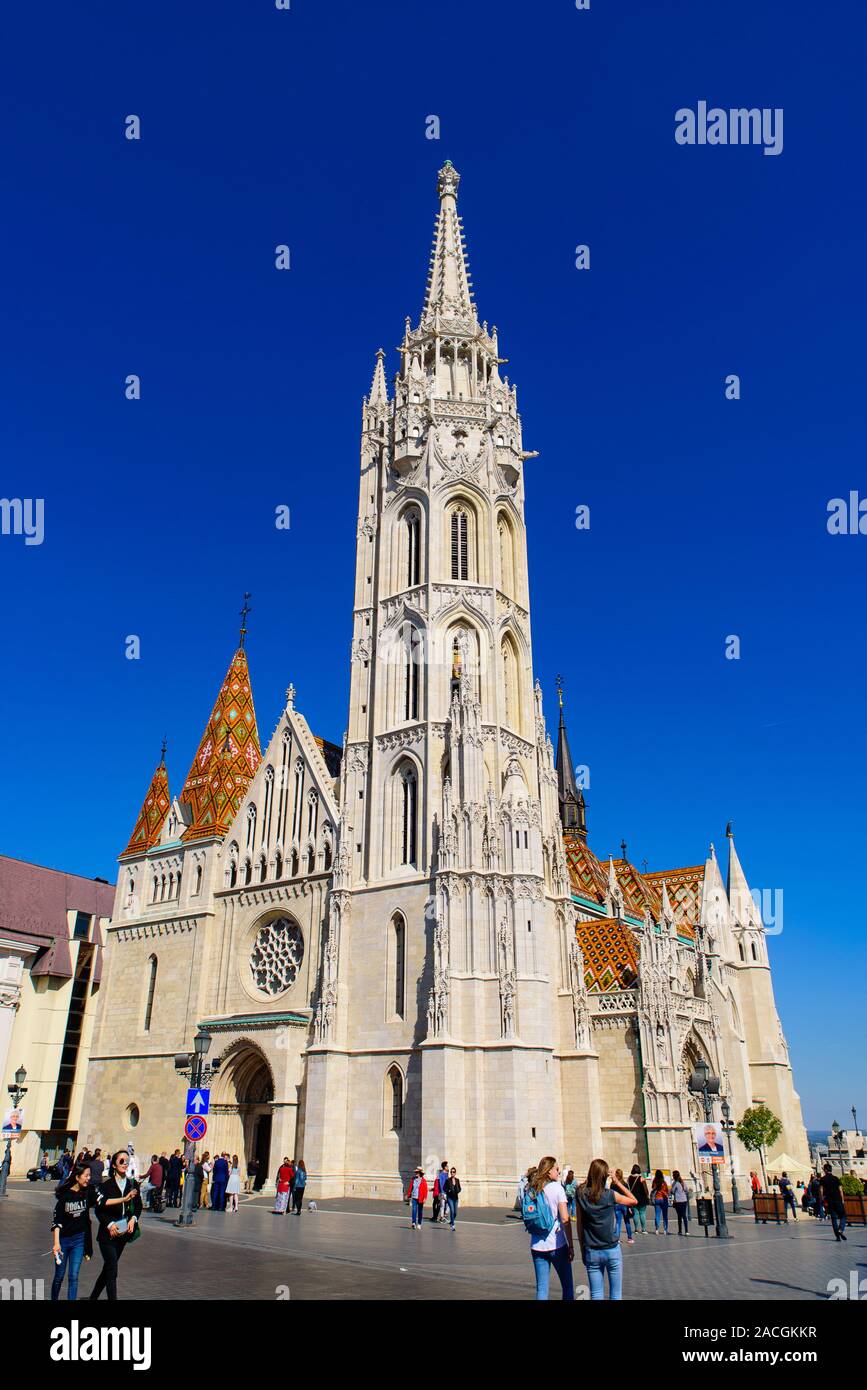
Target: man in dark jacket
(173, 1181)
(219, 1179)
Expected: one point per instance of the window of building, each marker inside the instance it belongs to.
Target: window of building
(396, 1081)
(460, 544)
(399, 931)
(409, 815)
(412, 522)
(81, 929)
(149, 1002)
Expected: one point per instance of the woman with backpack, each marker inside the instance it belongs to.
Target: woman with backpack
(680, 1201)
(546, 1218)
(638, 1187)
(598, 1200)
(299, 1186)
(569, 1187)
(659, 1195)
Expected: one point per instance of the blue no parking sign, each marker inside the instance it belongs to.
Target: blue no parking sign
(195, 1129)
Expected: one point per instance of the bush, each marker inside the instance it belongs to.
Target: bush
(852, 1187)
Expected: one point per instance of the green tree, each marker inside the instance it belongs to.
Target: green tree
(757, 1130)
(852, 1187)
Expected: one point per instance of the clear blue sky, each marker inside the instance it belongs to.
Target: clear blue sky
(708, 517)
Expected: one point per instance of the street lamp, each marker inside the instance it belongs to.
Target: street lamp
(703, 1084)
(728, 1125)
(16, 1092)
(837, 1135)
(201, 1046)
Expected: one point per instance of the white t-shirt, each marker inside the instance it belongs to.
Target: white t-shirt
(554, 1193)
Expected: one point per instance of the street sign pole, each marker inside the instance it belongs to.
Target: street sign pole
(187, 1216)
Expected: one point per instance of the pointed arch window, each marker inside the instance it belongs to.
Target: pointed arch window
(460, 545)
(507, 554)
(409, 815)
(412, 673)
(396, 1082)
(399, 947)
(412, 522)
(511, 699)
(251, 826)
(152, 984)
(198, 881)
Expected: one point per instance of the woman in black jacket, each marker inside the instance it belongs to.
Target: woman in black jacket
(452, 1195)
(115, 1232)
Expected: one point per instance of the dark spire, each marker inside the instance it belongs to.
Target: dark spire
(243, 616)
(570, 795)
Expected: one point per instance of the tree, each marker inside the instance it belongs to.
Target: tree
(758, 1129)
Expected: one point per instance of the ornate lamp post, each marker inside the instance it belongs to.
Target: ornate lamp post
(196, 1060)
(728, 1125)
(701, 1083)
(16, 1092)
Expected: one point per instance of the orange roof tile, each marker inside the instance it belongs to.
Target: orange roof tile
(586, 875)
(610, 951)
(227, 757)
(152, 816)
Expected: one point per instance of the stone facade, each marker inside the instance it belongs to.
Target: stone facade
(386, 947)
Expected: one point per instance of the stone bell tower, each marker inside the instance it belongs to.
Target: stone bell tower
(450, 941)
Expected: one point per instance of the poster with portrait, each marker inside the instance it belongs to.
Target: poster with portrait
(13, 1123)
(709, 1142)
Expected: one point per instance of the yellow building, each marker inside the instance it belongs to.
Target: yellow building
(51, 945)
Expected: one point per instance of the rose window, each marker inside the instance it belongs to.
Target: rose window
(277, 953)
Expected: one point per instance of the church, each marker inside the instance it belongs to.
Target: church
(404, 949)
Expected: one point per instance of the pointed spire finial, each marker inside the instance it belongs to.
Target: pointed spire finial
(730, 834)
(623, 847)
(163, 752)
(243, 615)
(448, 180)
(558, 681)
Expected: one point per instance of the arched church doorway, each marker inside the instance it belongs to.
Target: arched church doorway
(242, 1095)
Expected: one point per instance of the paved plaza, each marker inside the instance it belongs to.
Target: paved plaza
(367, 1250)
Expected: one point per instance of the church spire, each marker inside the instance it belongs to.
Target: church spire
(228, 753)
(569, 794)
(449, 287)
(737, 889)
(155, 808)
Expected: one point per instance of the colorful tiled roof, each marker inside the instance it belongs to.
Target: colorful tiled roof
(586, 874)
(152, 816)
(227, 757)
(610, 951)
(639, 895)
(684, 888)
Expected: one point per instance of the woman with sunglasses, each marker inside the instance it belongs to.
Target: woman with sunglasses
(117, 1220)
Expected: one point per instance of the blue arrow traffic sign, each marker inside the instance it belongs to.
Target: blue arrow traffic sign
(198, 1100)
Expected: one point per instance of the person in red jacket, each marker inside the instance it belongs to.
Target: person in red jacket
(417, 1193)
(285, 1174)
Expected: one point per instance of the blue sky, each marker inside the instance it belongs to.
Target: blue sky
(708, 516)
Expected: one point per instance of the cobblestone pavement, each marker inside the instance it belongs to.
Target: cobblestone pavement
(367, 1250)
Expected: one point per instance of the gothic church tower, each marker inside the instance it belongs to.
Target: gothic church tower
(439, 1029)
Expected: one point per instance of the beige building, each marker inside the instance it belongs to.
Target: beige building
(405, 949)
(51, 934)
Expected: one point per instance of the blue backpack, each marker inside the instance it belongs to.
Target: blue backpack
(536, 1213)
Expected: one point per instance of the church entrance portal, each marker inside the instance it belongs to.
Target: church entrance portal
(241, 1106)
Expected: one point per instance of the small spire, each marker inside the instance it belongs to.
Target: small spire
(623, 848)
(162, 762)
(243, 616)
(379, 390)
(569, 794)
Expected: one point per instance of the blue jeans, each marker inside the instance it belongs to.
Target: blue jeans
(72, 1251)
(661, 1213)
(623, 1214)
(596, 1262)
(417, 1212)
(838, 1219)
(543, 1261)
(452, 1204)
